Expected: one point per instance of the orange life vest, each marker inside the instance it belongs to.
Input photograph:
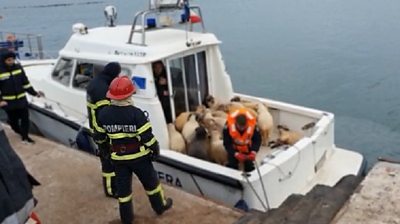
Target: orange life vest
(241, 142)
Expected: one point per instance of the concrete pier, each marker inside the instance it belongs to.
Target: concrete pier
(377, 199)
(71, 190)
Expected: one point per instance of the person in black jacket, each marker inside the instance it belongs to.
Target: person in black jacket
(13, 87)
(96, 100)
(133, 147)
(160, 78)
(16, 183)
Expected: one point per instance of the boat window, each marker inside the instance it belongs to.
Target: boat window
(84, 72)
(126, 71)
(189, 81)
(62, 71)
(202, 74)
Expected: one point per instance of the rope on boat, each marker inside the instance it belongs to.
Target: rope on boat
(290, 173)
(262, 185)
(244, 174)
(197, 185)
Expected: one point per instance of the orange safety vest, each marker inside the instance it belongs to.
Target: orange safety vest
(241, 141)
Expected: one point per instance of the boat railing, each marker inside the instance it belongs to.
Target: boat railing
(142, 18)
(25, 45)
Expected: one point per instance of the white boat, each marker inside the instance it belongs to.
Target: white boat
(162, 33)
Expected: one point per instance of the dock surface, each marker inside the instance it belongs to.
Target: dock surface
(377, 199)
(71, 190)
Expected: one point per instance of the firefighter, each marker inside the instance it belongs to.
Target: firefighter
(13, 87)
(96, 100)
(133, 148)
(242, 139)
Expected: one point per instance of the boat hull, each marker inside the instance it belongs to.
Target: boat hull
(225, 185)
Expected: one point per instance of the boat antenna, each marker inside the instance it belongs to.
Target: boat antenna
(186, 19)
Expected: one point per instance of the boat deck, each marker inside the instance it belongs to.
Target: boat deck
(71, 190)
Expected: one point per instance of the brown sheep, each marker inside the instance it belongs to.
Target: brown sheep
(181, 120)
(287, 136)
(200, 144)
(188, 130)
(176, 141)
(217, 151)
(264, 122)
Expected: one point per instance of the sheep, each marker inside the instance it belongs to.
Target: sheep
(218, 113)
(188, 130)
(287, 136)
(217, 151)
(211, 102)
(264, 122)
(181, 120)
(176, 140)
(200, 144)
(246, 103)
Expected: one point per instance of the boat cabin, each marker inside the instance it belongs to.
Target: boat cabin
(192, 61)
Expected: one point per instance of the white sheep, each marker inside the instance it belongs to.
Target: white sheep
(264, 122)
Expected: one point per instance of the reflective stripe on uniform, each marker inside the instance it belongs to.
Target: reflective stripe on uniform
(16, 72)
(151, 142)
(27, 86)
(94, 122)
(7, 74)
(144, 128)
(121, 135)
(155, 190)
(108, 181)
(4, 75)
(125, 199)
(98, 104)
(14, 97)
(158, 189)
(93, 108)
(142, 152)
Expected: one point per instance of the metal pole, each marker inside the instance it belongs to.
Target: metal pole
(262, 184)
(244, 174)
(40, 46)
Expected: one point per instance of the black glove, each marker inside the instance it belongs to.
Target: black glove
(155, 151)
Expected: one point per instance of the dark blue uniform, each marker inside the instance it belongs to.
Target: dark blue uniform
(132, 144)
(13, 87)
(96, 100)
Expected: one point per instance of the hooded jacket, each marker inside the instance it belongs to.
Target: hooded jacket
(16, 199)
(97, 89)
(13, 83)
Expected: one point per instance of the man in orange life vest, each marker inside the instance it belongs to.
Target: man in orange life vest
(241, 139)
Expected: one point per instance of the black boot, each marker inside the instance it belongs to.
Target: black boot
(126, 212)
(168, 205)
(160, 206)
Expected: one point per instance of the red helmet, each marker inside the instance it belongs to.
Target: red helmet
(120, 88)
